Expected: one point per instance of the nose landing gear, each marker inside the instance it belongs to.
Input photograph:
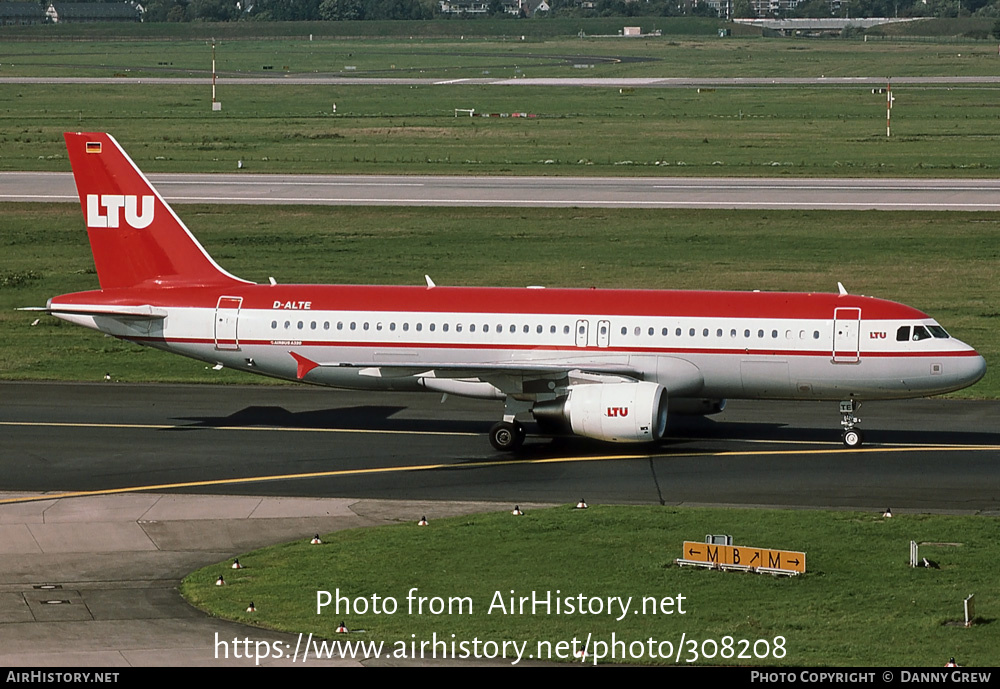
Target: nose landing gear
(852, 437)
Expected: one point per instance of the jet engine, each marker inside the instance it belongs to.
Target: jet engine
(614, 412)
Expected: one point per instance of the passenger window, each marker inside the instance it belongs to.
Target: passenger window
(664, 332)
(274, 325)
(903, 334)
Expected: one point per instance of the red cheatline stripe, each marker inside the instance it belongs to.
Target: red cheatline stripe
(551, 348)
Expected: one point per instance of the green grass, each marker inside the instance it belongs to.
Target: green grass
(470, 56)
(945, 264)
(413, 130)
(859, 604)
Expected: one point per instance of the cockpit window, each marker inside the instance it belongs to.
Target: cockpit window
(903, 334)
(938, 332)
(920, 333)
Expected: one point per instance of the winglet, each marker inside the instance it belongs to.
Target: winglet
(304, 365)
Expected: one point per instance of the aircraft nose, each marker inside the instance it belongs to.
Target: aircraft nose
(967, 370)
(977, 369)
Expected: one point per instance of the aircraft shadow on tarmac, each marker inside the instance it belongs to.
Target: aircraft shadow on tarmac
(365, 417)
(683, 432)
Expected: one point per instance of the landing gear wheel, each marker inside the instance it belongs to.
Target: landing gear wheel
(853, 438)
(506, 436)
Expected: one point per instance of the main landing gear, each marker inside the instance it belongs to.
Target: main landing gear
(852, 437)
(507, 436)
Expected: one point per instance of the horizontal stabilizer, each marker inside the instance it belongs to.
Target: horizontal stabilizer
(145, 311)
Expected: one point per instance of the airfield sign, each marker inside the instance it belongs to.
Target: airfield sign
(744, 557)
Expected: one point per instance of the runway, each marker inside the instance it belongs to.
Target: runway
(309, 442)
(568, 192)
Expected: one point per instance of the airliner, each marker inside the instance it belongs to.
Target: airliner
(610, 365)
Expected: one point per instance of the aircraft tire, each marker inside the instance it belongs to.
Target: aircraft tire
(506, 436)
(853, 438)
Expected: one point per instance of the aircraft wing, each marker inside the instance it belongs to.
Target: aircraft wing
(506, 378)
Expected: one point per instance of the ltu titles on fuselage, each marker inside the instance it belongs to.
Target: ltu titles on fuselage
(549, 603)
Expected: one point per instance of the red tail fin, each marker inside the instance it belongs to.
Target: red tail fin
(135, 236)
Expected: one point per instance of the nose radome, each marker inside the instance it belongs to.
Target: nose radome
(968, 370)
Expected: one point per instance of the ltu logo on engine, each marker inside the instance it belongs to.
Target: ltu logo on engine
(617, 411)
(105, 210)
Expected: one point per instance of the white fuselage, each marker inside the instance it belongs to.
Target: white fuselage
(692, 356)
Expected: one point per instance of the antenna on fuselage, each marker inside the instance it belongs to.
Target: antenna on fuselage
(841, 288)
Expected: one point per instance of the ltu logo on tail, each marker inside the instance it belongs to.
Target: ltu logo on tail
(105, 210)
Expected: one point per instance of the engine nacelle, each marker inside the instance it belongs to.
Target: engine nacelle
(614, 412)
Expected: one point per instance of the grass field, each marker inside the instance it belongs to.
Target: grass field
(943, 263)
(859, 604)
(500, 57)
(413, 129)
